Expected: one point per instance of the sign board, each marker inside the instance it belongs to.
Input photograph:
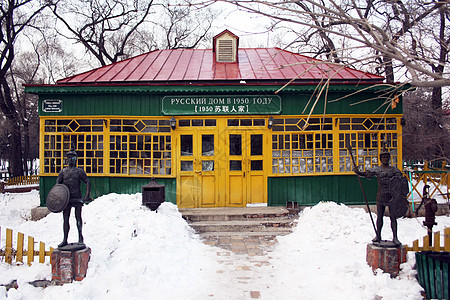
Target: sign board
(221, 105)
(52, 105)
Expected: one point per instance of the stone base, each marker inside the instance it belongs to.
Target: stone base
(38, 213)
(69, 265)
(385, 258)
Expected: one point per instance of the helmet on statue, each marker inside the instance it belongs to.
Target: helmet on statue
(384, 149)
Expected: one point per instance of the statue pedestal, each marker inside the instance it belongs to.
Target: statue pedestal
(386, 256)
(69, 265)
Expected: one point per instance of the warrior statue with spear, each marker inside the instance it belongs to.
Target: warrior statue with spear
(392, 192)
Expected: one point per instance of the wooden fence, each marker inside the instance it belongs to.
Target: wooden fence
(436, 246)
(23, 180)
(437, 178)
(8, 252)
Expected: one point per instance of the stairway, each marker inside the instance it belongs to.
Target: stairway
(240, 221)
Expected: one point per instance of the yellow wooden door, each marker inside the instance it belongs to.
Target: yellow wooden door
(256, 179)
(246, 174)
(197, 169)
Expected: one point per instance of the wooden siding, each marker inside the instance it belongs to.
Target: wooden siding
(294, 104)
(136, 104)
(310, 190)
(105, 185)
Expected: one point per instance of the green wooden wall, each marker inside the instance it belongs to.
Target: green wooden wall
(310, 190)
(307, 190)
(105, 185)
(149, 104)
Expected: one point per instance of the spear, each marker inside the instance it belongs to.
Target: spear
(349, 148)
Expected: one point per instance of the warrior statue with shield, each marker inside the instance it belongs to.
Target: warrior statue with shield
(392, 192)
(67, 194)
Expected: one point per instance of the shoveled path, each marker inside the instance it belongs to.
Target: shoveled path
(244, 256)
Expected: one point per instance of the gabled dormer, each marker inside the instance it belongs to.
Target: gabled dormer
(225, 47)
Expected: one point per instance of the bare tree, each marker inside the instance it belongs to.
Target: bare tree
(390, 34)
(183, 26)
(15, 16)
(424, 137)
(117, 29)
(102, 27)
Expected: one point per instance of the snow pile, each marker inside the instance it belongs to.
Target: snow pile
(16, 208)
(140, 254)
(136, 253)
(325, 258)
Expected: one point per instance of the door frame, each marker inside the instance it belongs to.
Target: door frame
(246, 173)
(196, 177)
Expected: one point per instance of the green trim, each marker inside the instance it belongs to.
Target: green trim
(63, 89)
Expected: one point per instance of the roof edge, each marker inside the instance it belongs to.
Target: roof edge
(275, 88)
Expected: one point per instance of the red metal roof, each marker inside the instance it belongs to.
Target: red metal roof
(198, 65)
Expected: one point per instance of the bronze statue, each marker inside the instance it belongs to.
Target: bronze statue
(71, 177)
(431, 208)
(392, 191)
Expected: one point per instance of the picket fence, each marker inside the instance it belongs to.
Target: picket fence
(8, 252)
(436, 246)
(23, 180)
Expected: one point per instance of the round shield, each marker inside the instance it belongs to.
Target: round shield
(58, 198)
(398, 206)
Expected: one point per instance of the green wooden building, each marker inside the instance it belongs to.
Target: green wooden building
(220, 127)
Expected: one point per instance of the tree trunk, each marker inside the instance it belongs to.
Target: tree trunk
(388, 69)
(436, 98)
(16, 150)
(13, 123)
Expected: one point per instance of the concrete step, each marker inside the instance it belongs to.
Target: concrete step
(270, 234)
(243, 225)
(240, 221)
(233, 213)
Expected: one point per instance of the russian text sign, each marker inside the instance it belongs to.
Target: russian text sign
(221, 105)
(52, 105)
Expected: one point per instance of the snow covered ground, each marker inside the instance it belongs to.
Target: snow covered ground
(140, 254)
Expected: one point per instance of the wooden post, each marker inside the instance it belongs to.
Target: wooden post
(447, 239)
(49, 254)
(30, 252)
(416, 245)
(8, 248)
(19, 256)
(437, 241)
(426, 243)
(41, 252)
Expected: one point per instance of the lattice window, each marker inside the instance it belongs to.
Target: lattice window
(301, 124)
(295, 153)
(366, 147)
(74, 125)
(139, 125)
(136, 145)
(197, 122)
(375, 124)
(246, 122)
(89, 150)
(53, 157)
(118, 154)
(141, 154)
